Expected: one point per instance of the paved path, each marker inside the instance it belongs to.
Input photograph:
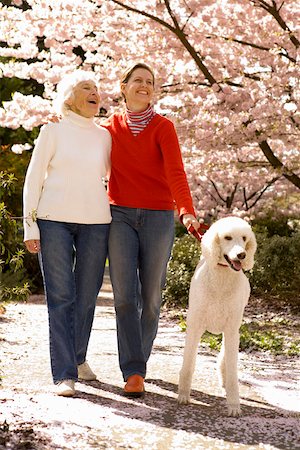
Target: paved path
(99, 417)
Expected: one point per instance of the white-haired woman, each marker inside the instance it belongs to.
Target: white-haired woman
(66, 220)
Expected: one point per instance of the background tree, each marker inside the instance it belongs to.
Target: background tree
(227, 75)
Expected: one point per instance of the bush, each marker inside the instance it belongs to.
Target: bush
(14, 168)
(255, 336)
(276, 270)
(180, 229)
(185, 257)
(11, 255)
(282, 226)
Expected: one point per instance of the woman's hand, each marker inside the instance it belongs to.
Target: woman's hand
(53, 118)
(33, 245)
(189, 219)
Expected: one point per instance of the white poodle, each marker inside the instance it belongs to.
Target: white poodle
(219, 292)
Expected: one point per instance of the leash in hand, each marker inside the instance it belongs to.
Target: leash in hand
(198, 233)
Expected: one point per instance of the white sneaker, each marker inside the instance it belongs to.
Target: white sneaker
(85, 372)
(65, 388)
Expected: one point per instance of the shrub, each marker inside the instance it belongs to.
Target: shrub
(14, 167)
(180, 229)
(254, 336)
(276, 270)
(11, 255)
(282, 226)
(185, 257)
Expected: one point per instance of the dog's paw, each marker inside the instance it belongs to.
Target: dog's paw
(183, 399)
(234, 410)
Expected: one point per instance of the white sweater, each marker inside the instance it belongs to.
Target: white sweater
(64, 180)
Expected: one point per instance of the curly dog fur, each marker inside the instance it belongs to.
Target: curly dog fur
(219, 292)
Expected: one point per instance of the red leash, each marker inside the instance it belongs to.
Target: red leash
(200, 232)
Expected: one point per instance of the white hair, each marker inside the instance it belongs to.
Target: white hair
(65, 89)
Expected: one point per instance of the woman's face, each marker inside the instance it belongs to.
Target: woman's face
(86, 99)
(138, 90)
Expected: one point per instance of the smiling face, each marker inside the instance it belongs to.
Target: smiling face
(139, 89)
(237, 244)
(233, 247)
(85, 100)
(229, 242)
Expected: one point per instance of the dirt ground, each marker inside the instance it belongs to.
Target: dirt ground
(99, 417)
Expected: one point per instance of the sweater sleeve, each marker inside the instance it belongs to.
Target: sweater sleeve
(34, 180)
(174, 169)
(108, 154)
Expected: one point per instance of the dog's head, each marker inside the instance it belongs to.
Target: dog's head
(230, 241)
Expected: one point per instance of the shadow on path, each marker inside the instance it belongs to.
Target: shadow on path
(206, 415)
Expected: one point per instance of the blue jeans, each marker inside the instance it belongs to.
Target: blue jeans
(140, 244)
(72, 261)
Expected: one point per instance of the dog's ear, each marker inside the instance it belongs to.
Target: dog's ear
(248, 262)
(210, 245)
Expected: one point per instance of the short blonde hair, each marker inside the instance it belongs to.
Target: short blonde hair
(65, 89)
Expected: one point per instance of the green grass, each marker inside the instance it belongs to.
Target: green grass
(275, 336)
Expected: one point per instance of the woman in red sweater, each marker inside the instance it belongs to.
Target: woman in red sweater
(147, 182)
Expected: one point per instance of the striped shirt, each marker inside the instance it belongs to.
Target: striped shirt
(137, 121)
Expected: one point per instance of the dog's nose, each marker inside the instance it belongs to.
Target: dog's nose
(241, 255)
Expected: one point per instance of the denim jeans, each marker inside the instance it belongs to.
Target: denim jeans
(140, 244)
(72, 261)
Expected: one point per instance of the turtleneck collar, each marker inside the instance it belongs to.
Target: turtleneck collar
(141, 116)
(76, 119)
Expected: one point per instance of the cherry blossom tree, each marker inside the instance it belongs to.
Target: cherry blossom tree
(227, 75)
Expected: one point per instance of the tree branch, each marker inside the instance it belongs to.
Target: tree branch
(275, 12)
(145, 14)
(230, 198)
(258, 194)
(258, 47)
(266, 149)
(187, 20)
(277, 164)
(178, 32)
(217, 192)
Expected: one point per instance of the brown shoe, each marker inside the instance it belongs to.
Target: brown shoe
(134, 386)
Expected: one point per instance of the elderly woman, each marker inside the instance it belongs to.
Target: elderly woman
(67, 220)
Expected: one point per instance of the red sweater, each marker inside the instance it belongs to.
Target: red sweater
(147, 170)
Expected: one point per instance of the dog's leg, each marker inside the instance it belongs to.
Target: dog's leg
(222, 365)
(231, 347)
(192, 339)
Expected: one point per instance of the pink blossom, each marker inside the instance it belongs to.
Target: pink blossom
(253, 94)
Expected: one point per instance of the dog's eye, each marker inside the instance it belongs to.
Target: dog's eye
(244, 238)
(228, 238)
